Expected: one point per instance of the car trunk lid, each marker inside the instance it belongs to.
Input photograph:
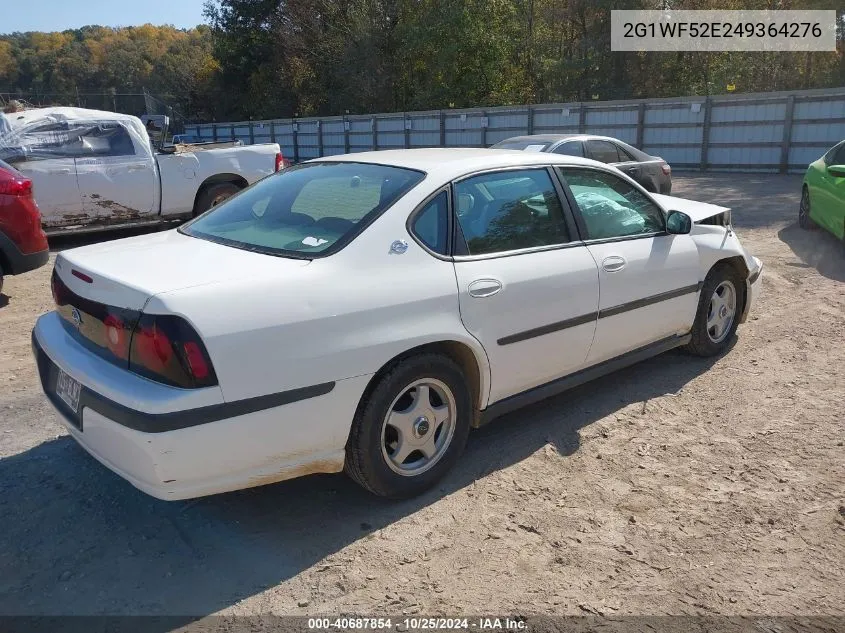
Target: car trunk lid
(125, 273)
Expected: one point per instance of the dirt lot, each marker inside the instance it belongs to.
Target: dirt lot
(679, 486)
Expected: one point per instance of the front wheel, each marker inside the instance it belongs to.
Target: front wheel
(719, 305)
(804, 219)
(411, 429)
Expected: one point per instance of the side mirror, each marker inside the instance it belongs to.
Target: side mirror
(678, 223)
(837, 171)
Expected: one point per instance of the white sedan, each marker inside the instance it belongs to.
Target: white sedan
(362, 312)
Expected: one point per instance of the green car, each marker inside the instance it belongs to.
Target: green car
(823, 193)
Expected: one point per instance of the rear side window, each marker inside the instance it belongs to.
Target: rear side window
(431, 225)
(306, 209)
(510, 210)
(570, 148)
(624, 155)
(603, 151)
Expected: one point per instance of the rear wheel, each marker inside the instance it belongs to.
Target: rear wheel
(411, 429)
(719, 308)
(214, 195)
(804, 219)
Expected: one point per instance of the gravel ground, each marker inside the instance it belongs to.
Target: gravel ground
(678, 486)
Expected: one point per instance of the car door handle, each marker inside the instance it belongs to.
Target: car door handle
(481, 288)
(136, 168)
(58, 171)
(613, 263)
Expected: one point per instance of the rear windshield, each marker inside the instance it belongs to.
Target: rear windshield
(305, 210)
(527, 145)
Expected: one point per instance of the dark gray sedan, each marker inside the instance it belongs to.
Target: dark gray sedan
(652, 172)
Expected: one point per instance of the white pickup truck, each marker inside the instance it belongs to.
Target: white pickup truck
(95, 170)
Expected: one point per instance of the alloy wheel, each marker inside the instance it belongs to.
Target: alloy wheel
(419, 427)
(722, 311)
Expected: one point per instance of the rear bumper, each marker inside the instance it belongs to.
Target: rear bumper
(18, 262)
(190, 457)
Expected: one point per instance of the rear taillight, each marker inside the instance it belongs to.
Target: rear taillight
(20, 218)
(163, 348)
(280, 161)
(666, 168)
(167, 349)
(13, 183)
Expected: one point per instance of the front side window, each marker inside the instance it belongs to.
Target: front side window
(610, 206)
(306, 209)
(603, 151)
(431, 224)
(510, 210)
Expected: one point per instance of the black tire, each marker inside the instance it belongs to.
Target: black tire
(804, 219)
(703, 343)
(367, 463)
(213, 195)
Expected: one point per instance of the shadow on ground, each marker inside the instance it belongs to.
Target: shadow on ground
(77, 539)
(817, 249)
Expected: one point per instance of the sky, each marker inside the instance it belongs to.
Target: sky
(58, 15)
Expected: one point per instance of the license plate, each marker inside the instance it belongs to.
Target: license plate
(68, 390)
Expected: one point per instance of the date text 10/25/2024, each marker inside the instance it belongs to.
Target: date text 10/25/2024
(417, 624)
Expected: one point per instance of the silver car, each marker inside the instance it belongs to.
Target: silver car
(652, 172)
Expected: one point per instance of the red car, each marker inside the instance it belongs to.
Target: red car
(23, 244)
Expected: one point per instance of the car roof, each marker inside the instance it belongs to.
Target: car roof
(548, 138)
(60, 113)
(456, 161)
(554, 138)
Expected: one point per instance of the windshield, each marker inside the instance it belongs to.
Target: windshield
(529, 145)
(305, 210)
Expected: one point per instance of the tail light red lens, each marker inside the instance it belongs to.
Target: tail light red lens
(20, 218)
(167, 349)
(152, 348)
(15, 186)
(163, 348)
(196, 360)
(13, 182)
(666, 168)
(280, 161)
